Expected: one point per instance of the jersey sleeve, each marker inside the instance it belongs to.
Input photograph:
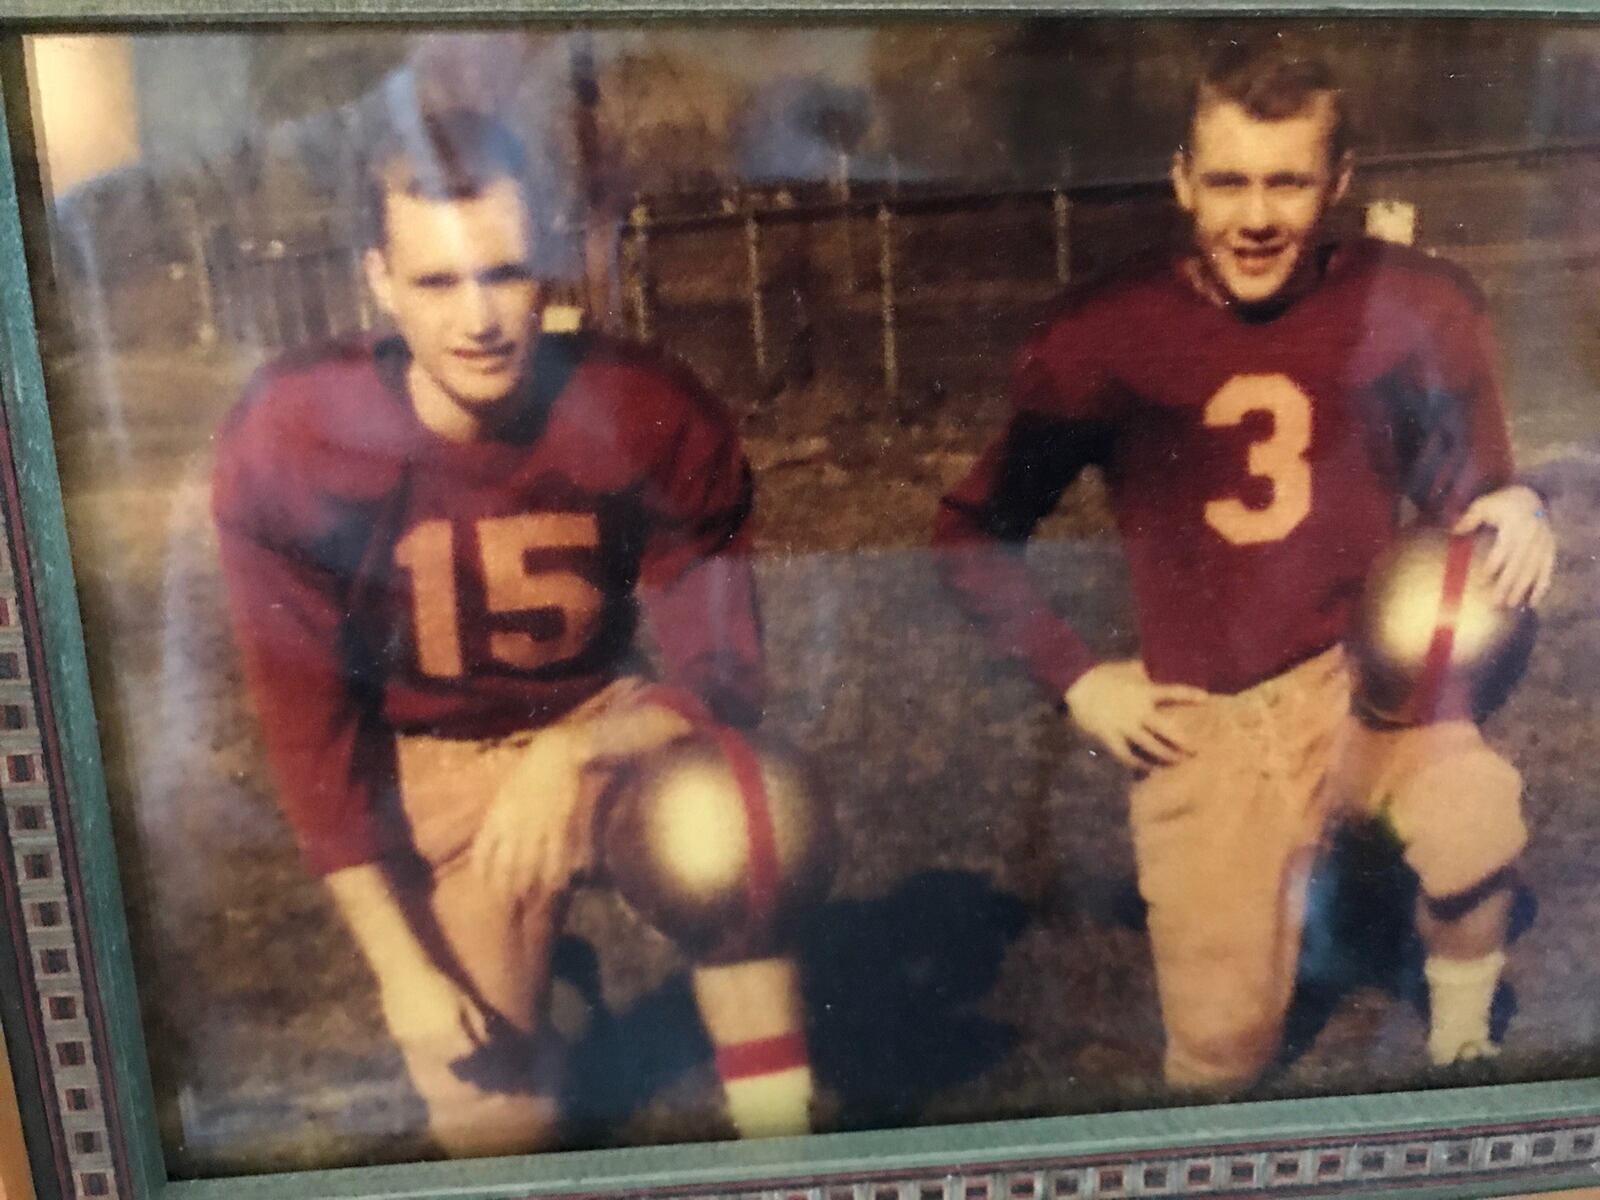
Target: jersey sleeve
(1061, 422)
(1452, 434)
(287, 614)
(696, 581)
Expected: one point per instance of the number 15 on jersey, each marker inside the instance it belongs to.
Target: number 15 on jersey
(536, 616)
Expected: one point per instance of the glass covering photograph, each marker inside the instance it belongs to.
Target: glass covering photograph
(682, 582)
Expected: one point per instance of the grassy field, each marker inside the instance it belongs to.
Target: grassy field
(981, 955)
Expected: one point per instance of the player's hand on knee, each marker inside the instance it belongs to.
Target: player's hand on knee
(1118, 705)
(424, 1006)
(534, 835)
(1522, 560)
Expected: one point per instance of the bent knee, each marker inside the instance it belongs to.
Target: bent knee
(489, 1124)
(1460, 820)
(1223, 1055)
(1220, 1066)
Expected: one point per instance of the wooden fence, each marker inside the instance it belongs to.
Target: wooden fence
(754, 287)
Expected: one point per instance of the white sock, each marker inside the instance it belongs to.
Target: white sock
(1461, 992)
(776, 1104)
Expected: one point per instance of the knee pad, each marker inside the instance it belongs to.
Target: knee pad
(1460, 819)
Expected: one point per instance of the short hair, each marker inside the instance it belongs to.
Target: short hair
(453, 154)
(1271, 78)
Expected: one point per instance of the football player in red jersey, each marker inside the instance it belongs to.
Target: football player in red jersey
(436, 551)
(1264, 407)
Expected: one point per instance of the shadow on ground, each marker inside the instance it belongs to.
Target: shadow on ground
(1360, 932)
(893, 987)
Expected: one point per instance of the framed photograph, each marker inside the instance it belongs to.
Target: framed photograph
(911, 602)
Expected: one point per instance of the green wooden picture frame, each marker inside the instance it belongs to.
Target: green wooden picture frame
(81, 1068)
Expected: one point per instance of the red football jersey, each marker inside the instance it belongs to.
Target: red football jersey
(385, 580)
(1256, 464)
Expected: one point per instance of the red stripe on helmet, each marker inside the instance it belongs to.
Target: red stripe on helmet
(761, 880)
(1424, 699)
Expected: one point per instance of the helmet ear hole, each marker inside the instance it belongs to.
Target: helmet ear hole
(1429, 640)
(1500, 678)
(718, 843)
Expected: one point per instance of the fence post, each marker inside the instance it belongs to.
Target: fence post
(206, 331)
(891, 358)
(286, 285)
(269, 323)
(758, 307)
(638, 269)
(330, 325)
(1061, 208)
(350, 260)
(358, 278)
(841, 193)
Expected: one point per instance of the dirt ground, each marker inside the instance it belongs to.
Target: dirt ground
(981, 955)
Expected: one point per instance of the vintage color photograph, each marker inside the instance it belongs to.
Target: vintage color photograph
(671, 584)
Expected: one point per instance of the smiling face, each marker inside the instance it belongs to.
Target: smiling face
(1256, 191)
(455, 277)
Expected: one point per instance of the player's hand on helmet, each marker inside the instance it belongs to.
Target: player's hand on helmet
(534, 835)
(423, 1005)
(1118, 705)
(1522, 560)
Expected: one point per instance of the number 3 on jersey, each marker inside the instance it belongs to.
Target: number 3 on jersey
(511, 588)
(1279, 458)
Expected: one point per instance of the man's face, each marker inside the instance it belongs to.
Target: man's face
(1256, 191)
(455, 276)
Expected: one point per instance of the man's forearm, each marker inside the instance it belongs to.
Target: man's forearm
(622, 732)
(704, 620)
(367, 902)
(993, 583)
(422, 1005)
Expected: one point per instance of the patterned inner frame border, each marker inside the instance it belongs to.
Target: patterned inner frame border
(39, 875)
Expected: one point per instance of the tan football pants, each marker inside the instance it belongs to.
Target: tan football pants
(1225, 841)
(500, 947)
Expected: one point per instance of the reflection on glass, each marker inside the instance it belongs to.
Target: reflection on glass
(497, 765)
